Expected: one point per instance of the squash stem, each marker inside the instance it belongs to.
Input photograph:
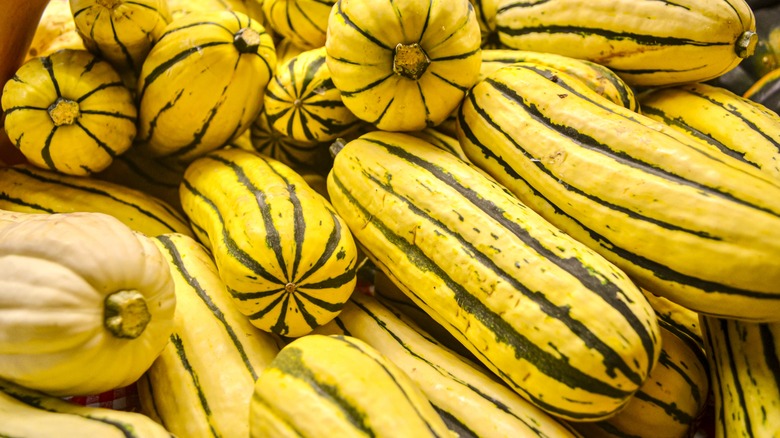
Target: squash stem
(64, 111)
(746, 44)
(410, 60)
(126, 314)
(246, 40)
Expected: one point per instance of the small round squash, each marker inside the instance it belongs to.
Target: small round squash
(86, 304)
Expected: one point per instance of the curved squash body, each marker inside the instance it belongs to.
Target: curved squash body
(688, 223)
(464, 395)
(681, 321)
(486, 16)
(304, 22)
(301, 101)
(83, 306)
(30, 413)
(722, 119)
(766, 91)
(27, 189)
(646, 42)
(403, 65)
(251, 8)
(743, 358)
(120, 31)
(202, 83)
(491, 271)
(291, 152)
(285, 255)
(339, 386)
(185, 388)
(69, 112)
(55, 30)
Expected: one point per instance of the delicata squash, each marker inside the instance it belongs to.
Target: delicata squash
(86, 304)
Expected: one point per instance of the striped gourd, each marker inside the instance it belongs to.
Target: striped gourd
(27, 413)
(201, 383)
(304, 22)
(766, 91)
(680, 320)
(491, 271)
(202, 83)
(403, 65)
(744, 361)
(27, 189)
(339, 386)
(286, 49)
(646, 42)
(251, 8)
(120, 31)
(720, 118)
(670, 403)
(284, 254)
(486, 16)
(463, 395)
(69, 112)
(294, 153)
(645, 196)
(301, 101)
(599, 78)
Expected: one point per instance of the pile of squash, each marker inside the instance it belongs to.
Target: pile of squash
(475, 218)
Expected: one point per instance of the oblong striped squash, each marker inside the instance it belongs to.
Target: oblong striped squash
(464, 395)
(202, 83)
(720, 118)
(120, 31)
(201, 383)
(301, 101)
(69, 112)
(597, 77)
(285, 255)
(27, 189)
(645, 196)
(403, 65)
(680, 320)
(304, 22)
(646, 42)
(671, 401)
(492, 272)
(30, 413)
(339, 386)
(291, 152)
(744, 360)
(766, 91)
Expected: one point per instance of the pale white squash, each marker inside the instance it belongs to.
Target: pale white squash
(86, 304)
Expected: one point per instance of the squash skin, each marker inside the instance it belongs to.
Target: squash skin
(362, 40)
(54, 337)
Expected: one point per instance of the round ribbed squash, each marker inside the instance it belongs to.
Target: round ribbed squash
(293, 153)
(86, 304)
(69, 112)
(304, 22)
(403, 65)
(201, 85)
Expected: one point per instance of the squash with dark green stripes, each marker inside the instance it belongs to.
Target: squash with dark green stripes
(201, 383)
(286, 257)
(27, 189)
(670, 404)
(646, 42)
(69, 112)
(301, 101)
(464, 395)
(339, 386)
(303, 22)
(744, 360)
(120, 31)
(675, 318)
(403, 65)
(296, 154)
(494, 273)
(486, 16)
(727, 122)
(28, 413)
(201, 85)
(688, 223)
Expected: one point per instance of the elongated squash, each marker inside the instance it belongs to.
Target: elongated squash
(339, 386)
(646, 42)
(679, 320)
(744, 359)
(28, 413)
(286, 257)
(202, 382)
(201, 85)
(464, 395)
(27, 189)
(688, 223)
(535, 306)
